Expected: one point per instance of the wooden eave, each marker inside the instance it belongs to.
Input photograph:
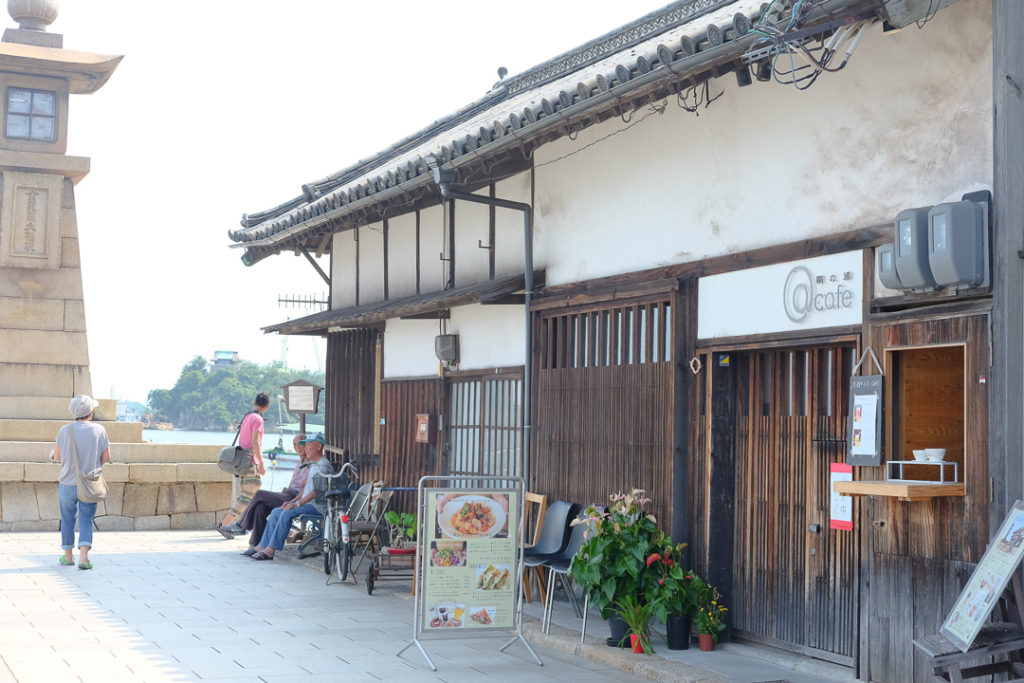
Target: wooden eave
(373, 315)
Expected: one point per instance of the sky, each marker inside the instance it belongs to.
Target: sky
(226, 107)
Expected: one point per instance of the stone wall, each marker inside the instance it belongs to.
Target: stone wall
(143, 496)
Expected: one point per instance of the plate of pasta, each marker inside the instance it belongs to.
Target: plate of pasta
(472, 516)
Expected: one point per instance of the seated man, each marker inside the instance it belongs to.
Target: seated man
(280, 520)
(255, 517)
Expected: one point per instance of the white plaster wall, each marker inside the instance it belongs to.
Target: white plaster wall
(433, 271)
(489, 336)
(508, 226)
(343, 270)
(907, 123)
(472, 224)
(402, 256)
(371, 263)
(409, 348)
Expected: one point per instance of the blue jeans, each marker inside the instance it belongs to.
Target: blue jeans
(70, 506)
(280, 521)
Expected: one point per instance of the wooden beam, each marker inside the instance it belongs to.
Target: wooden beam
(1006, 414)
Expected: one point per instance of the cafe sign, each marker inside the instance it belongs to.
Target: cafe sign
(814, 293)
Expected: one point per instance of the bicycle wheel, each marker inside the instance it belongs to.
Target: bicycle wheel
(345, 560)
(330, 548)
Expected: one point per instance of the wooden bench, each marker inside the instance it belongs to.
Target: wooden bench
(993, 640)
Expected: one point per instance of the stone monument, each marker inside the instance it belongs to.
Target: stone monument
(44, 357)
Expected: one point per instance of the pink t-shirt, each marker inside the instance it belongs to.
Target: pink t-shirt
(251, 424)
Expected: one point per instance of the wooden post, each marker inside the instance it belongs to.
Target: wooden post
(1006, 416)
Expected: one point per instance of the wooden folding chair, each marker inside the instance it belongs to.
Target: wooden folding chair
(536, 508)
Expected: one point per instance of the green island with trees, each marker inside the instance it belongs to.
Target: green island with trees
(207, 399)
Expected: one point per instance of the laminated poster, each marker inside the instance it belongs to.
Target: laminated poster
(865, 408)
(987, 582)
(470, 555)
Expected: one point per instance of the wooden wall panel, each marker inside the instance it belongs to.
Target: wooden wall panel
(350, 397)
(923, 551)
(404, 460)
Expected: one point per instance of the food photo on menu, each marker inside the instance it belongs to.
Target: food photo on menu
(472, 515)
(447, 614)
(448, 553)
(484, 616)
(493, 578)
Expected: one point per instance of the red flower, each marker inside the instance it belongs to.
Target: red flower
(654, 557)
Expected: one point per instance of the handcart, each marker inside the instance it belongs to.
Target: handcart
(397, 567)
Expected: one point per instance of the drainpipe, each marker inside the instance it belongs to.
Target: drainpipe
(444, 179)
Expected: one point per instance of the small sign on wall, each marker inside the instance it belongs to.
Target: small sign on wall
(840, 507)
(864, 443)
(425, 428)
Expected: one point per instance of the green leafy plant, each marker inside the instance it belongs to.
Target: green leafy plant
(610, 565)
(637, 616)
(674, 591)
(710, 616)
(401, 528)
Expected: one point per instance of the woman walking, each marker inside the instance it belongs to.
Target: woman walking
(92, 448)
(250, 436)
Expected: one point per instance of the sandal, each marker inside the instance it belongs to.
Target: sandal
(85, 565)
(66, 562)
(223, 531)
(262, 556)
(250, 552)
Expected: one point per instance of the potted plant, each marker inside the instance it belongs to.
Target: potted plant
(401, 532)
(674, 591)
(610, 564)
(637, 615)
(709, 619)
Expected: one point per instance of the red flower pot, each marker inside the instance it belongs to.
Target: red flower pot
(639, 643)
(707, 642)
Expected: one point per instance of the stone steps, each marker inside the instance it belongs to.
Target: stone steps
(142, 473)
(46, 430)
(40, 408)
(39, 452)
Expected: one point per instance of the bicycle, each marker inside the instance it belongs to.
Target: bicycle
(337, 550)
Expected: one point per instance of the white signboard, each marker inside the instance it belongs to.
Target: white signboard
(826, 291)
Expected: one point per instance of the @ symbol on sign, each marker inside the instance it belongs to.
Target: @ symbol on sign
(798, 293)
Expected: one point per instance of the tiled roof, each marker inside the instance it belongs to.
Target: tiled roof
(659, 55)
(419, 304)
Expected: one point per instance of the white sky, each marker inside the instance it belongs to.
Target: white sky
(222, 107)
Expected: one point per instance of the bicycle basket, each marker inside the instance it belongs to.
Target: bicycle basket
(321, 484)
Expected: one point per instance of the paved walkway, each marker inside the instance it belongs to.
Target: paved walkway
(185, 606)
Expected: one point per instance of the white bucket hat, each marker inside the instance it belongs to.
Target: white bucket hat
(82, 405)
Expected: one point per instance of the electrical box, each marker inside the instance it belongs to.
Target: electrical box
(426, 428)
(885, 266)
(911, 249)
(446, 348)
(958, 244)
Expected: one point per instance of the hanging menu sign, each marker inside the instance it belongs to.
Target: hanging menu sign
(469, 577)
(864, 447)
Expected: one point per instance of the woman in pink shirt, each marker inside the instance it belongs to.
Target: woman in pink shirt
(251, 437)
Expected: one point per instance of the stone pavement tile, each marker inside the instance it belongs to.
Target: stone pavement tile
(324, 663)
(31, 670)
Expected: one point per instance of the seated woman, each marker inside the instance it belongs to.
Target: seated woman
(255, 517)
(280, 520)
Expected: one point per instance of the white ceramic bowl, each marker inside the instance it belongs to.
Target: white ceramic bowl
(935, 454)
(920, 454)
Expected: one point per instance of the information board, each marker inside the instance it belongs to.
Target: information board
(864, 442)
(470, 559)
(988, 581)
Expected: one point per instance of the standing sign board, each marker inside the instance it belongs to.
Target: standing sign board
(469, 552)
(988, 581)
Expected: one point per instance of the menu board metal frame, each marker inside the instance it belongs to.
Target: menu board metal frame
(866, 439)
(450, 600)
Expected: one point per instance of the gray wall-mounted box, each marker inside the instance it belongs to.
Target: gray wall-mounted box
(911, 254)
(446, 348)
(958, 244)
(886, 266)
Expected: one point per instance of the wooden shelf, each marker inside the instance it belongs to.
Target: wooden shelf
(904, 490)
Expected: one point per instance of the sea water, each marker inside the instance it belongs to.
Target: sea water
(279, 470)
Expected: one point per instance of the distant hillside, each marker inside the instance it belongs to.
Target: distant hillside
(130, 411)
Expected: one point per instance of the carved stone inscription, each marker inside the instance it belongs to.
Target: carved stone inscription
(30, 220)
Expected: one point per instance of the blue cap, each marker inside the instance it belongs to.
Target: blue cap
(319, 438)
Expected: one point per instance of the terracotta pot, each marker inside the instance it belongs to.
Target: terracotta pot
(640, 643)
(707, 643)
(678, 632)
